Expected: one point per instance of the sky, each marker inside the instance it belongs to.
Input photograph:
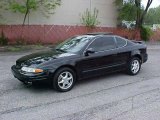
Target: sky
(155, 3)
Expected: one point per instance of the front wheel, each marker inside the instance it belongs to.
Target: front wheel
(134, 66)
(64, 79)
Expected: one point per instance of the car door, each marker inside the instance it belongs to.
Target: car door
(102, 60)
(123, 54)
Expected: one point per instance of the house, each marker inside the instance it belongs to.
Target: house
(66, 22)
(70, 12)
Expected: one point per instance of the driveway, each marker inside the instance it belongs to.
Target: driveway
(115, 96)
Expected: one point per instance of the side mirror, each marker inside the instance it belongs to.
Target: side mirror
(89, 51)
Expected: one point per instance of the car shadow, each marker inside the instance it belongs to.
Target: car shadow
(41, 86)
(99, 77)
(44, 86)
(47, 87)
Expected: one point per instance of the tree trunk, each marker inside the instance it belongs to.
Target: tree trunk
(138, 6)
(140, 16)
(27, 11)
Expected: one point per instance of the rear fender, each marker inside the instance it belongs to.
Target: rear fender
(136, 53)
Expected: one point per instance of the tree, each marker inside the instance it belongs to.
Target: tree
(127, 10)
(25, 7)
(141, 14)
(153, 16)
(133, 10)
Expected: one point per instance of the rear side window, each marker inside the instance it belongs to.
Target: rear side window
(120, 42)
(103, 43)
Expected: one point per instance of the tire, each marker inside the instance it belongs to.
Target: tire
(64, 79)
(134, 66)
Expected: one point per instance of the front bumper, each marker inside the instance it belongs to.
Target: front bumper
(28, 77)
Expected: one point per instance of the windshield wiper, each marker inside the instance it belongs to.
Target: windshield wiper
(58, 49)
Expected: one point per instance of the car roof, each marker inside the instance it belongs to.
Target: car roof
(103, 34)
(99, 33)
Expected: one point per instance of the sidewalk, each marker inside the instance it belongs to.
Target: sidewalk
(20, 48)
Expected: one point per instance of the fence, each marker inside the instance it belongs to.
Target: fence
(53, 33)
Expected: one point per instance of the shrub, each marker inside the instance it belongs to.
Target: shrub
(146, 33)
(3, 39)
(20, 41)
(89, 19)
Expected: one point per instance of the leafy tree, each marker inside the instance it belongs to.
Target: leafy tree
(133, 10)
(130, 10)
(141, 14)
(25, 7)
(153, 16)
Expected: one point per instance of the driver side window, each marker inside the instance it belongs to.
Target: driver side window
(103, 43)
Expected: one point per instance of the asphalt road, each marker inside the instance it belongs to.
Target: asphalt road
(116, 96)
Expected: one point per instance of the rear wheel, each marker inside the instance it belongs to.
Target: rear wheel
(64, 79)
(134, 66)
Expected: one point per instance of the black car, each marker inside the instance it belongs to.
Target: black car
(81, 57)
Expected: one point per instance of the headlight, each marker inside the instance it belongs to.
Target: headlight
(31, 70)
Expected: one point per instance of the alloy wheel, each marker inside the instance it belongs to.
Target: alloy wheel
(135, 66)
(65, 80)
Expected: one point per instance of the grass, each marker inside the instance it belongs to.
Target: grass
(19, 48)
(14, 49)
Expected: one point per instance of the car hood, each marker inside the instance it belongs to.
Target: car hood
(41, 57)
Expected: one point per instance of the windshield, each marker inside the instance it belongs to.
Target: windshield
(74, 44)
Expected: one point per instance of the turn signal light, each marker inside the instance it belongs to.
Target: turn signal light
(38, 70)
